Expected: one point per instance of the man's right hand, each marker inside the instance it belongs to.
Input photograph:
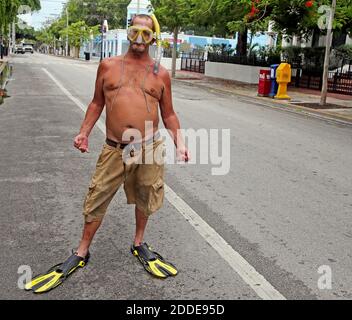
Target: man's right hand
(81, 143)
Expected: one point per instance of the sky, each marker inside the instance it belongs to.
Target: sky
(49, 9)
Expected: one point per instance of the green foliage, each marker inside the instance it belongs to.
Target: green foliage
(78, 32)
(291, 53)
(293, 16)
(312, 58)
(343, 16)
(25, 33)
(172, 14)
(271, 55)
(344, 52)
(217, 16)
(88, 15)
(93, 12)
(9, 11)
(220, 49)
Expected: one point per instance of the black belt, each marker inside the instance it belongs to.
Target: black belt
(114, 144)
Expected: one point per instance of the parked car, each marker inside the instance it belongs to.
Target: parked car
(28, 48)
(19, 49)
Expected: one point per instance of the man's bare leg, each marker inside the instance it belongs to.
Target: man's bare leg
(141, 224)
(90, 228)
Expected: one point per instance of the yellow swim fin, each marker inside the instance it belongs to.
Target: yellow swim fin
(153, 262)
(56, 274)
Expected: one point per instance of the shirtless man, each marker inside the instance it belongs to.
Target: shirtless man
(132, 94)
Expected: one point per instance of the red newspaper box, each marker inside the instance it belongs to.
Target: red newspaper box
(264, 85)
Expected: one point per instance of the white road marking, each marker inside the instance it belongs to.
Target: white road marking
(100, 123)
(255, 280)
(247, 272)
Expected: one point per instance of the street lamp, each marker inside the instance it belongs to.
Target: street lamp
(91, 37)
(104, 29)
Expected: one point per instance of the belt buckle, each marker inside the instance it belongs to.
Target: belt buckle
(132, 150)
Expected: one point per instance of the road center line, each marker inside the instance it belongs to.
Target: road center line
(247, 272)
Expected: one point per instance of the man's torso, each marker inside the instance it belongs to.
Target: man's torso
(132, 94)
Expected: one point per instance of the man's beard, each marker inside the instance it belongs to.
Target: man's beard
(138, 48)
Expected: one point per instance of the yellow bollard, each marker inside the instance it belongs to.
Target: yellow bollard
(283, 77)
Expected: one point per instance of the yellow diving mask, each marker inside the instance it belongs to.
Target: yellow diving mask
(146, 34)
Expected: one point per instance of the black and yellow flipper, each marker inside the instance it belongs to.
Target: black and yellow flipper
(56, 274)
(153, 262)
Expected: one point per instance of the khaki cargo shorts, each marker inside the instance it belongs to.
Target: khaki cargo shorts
(143, 182)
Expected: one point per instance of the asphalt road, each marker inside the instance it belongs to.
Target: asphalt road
(285, 206)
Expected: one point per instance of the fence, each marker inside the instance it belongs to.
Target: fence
(251, 60)
(338, 82)
(193, 62)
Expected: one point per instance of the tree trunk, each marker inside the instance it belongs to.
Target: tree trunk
(174, 53)
(77, 51)
(241, 49)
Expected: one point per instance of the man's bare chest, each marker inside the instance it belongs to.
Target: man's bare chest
(133, 79)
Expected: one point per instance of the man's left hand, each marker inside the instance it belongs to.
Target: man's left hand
(182, 154)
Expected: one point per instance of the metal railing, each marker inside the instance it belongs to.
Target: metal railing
(338, 82)
(193, 62)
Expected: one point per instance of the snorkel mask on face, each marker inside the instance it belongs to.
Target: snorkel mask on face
(140, 34)
(145, 35)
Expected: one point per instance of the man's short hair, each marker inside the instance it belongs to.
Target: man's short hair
(143, 16)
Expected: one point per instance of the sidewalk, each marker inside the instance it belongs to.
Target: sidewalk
(5, 59)
(4, 74)
(298, 95)
(3, 63)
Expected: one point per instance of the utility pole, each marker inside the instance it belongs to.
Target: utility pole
(102, 40)
(138, 6)
(324, 89)
(104, 30)
(66, 31)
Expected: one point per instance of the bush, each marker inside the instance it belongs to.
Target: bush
(307, 58)
(220, 49)
(344, 52)
(270, 55)
(292, 54)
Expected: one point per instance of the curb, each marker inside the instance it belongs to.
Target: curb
(277, 105)
(91, 61)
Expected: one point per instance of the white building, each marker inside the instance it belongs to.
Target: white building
(138, 7)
